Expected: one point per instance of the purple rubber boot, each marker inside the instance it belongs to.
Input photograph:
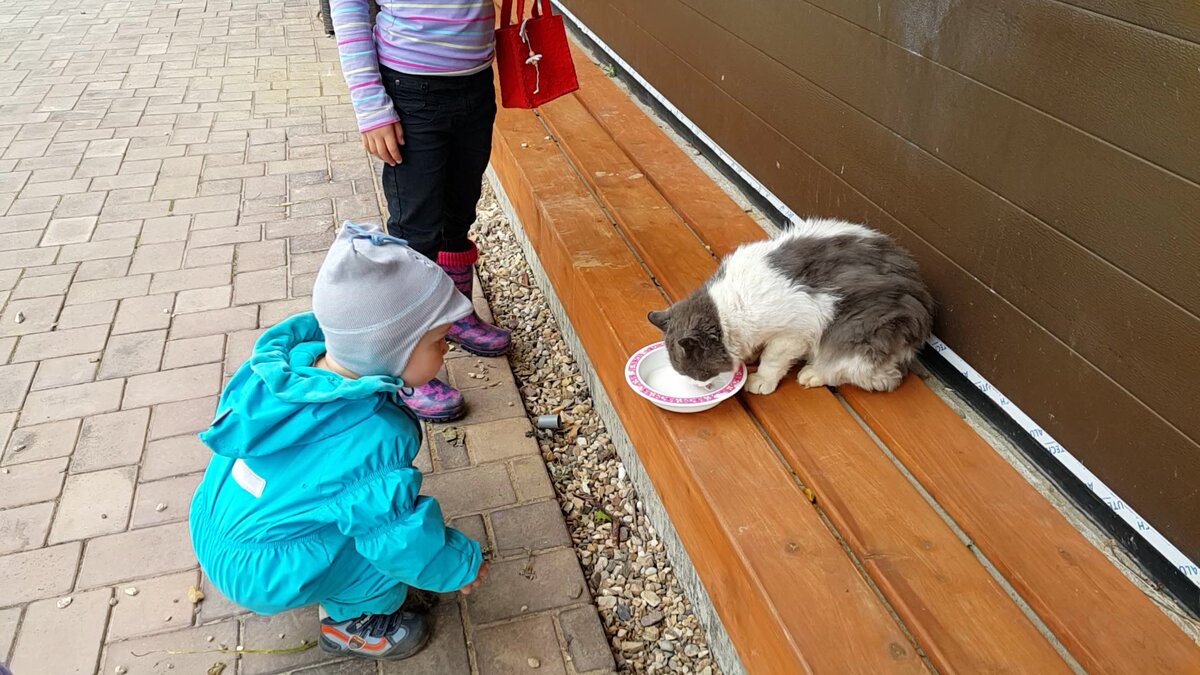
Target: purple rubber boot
(435, 402)
(472, 333)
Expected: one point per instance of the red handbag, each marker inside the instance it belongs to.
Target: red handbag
(532, 56)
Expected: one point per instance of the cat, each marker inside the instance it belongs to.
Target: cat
(842, 297)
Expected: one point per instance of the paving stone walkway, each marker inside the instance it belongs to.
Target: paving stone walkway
(169, 175)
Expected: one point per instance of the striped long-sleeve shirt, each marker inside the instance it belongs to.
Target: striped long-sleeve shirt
(421, 37)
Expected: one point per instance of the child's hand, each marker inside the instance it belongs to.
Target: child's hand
(384, 142)
(479, 578)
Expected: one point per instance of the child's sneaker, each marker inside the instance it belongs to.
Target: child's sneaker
(435, 401)
(389, 637)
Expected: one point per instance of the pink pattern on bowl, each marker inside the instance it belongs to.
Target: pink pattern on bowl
(635, 381)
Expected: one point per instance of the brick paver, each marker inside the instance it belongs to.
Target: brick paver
(111, 440)
(31, 483)
(44, 441)
(161, 605)
(24, 527)
(170, 175)
(9, 618)
(62, 640)
(528, 583)
(526, 646)
(94, 504)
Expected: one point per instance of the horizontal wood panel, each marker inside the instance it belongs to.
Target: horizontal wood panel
(1116, 435)
(1081, 67)
(788, 595)
(1180, 18)
(961, 617)
(1080, 185)
(1085, 302)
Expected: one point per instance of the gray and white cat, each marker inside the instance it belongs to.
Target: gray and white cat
(842, 297)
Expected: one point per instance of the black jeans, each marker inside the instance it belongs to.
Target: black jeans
(433, 193)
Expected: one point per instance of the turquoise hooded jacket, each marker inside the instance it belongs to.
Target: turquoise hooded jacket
(311, 495)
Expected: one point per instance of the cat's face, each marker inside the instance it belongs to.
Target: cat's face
(695, 343)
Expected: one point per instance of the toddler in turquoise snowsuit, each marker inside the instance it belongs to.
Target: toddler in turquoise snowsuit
(311, 496)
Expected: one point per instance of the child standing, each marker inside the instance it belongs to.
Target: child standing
(312, 496)
(420, 79)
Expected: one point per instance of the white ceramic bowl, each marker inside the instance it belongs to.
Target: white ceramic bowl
(649, 373)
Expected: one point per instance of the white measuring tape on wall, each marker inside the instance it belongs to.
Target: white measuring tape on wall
(1058, 452)
(1152, 536)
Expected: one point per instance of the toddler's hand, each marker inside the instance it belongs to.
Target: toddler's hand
(479, 578)
(384, 142)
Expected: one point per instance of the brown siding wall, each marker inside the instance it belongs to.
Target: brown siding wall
(1040, 158)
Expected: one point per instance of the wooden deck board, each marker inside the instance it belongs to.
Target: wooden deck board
(959, 614)
(713, 216)
(1103, 619)
(674, 254)
(738, 511)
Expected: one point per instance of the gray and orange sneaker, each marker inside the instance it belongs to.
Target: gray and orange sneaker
(387, 637)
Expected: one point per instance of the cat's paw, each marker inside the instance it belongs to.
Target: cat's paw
(810, 378)
(886, 380)
(757, 384)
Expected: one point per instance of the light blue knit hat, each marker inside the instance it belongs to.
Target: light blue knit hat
(375, 298)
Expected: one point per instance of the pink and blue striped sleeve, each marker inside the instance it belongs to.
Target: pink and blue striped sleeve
(360, 64)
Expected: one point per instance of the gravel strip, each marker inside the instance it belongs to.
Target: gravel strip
(648, 620)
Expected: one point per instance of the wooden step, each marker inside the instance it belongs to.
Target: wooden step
(786, 593)
(959, 614)
(1104, 620)
(713, 216)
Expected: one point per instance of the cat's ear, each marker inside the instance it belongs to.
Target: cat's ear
(660, 318)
